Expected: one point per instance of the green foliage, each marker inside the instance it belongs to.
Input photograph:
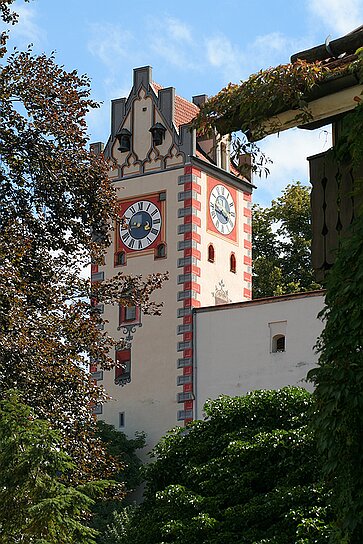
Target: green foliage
(38, 502)
(247, 474)
(339, 387)
(263, 95)
(281, 239)
(123, 451)
(56, 201)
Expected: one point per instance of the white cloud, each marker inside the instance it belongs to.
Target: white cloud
(289, 152)
(110, 43)
(340, 16)
(274, 40)
(222, 54)
(178, 30)
(171, 39)
(27, 31)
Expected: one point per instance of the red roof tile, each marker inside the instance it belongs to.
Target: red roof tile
(185, 111)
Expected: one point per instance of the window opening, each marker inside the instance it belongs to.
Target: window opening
(130, 313)
(120, 258)
(124, 138)
(211, 254)
(232, 263)
(158, 133)
(161, 251)
(278, 343)
(123, 367)
(121, 420)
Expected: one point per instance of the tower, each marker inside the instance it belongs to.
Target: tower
(183, 209)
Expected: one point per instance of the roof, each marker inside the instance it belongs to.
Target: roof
(336, 52)
(259, 301)
(185, 111)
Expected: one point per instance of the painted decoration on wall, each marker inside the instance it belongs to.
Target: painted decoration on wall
(222, 209)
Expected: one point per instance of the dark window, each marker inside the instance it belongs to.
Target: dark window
(211, 255)
(124, 138)
(121, 419)
(278, 343)
(123, 367)
(223, 156)
(120, 258)
(160, 251)
(232, 263)
(158, 133)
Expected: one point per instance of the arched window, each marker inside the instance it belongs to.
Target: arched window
(160, 251)
(120, 258)
(211, 255)
(232, 263)
(278, 343)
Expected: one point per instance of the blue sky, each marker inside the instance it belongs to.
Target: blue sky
(195, 46)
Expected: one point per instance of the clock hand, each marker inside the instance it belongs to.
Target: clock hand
(222, 209)
(147, 226)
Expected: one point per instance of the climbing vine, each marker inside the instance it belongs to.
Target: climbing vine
(251, 108)
(338, 419)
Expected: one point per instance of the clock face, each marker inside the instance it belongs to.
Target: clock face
(222, 209)
(141, 225)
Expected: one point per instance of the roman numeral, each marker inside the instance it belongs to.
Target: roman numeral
(222, 229)
(140, 205)
(154, 212)
(230, 223)
(132, 209)
(140, 245)
(231, 204)
(148, 206)
(156, 221)
(222, 189)
(233, 214)
(218, 190)
(154, 231)
(149, 240)
(125, 236)
(213, 214)
(132, 243)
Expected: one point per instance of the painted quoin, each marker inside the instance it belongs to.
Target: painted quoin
(183, 209)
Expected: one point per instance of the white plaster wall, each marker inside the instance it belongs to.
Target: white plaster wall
(233, 350)
(149, 401)
(213, 273)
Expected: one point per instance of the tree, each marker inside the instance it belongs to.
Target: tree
(251, 107)
(57, 209)
(338, 420)
(247, 474)
(38, 502)
(281, 239)
(123, 450)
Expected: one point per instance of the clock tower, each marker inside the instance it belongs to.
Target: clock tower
(184, 210)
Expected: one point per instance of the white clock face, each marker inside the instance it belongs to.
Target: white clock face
(222, 209)
(141, 225)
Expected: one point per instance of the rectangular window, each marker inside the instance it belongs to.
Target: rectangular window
(130, 313)
(121, 420)
(123, 367)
